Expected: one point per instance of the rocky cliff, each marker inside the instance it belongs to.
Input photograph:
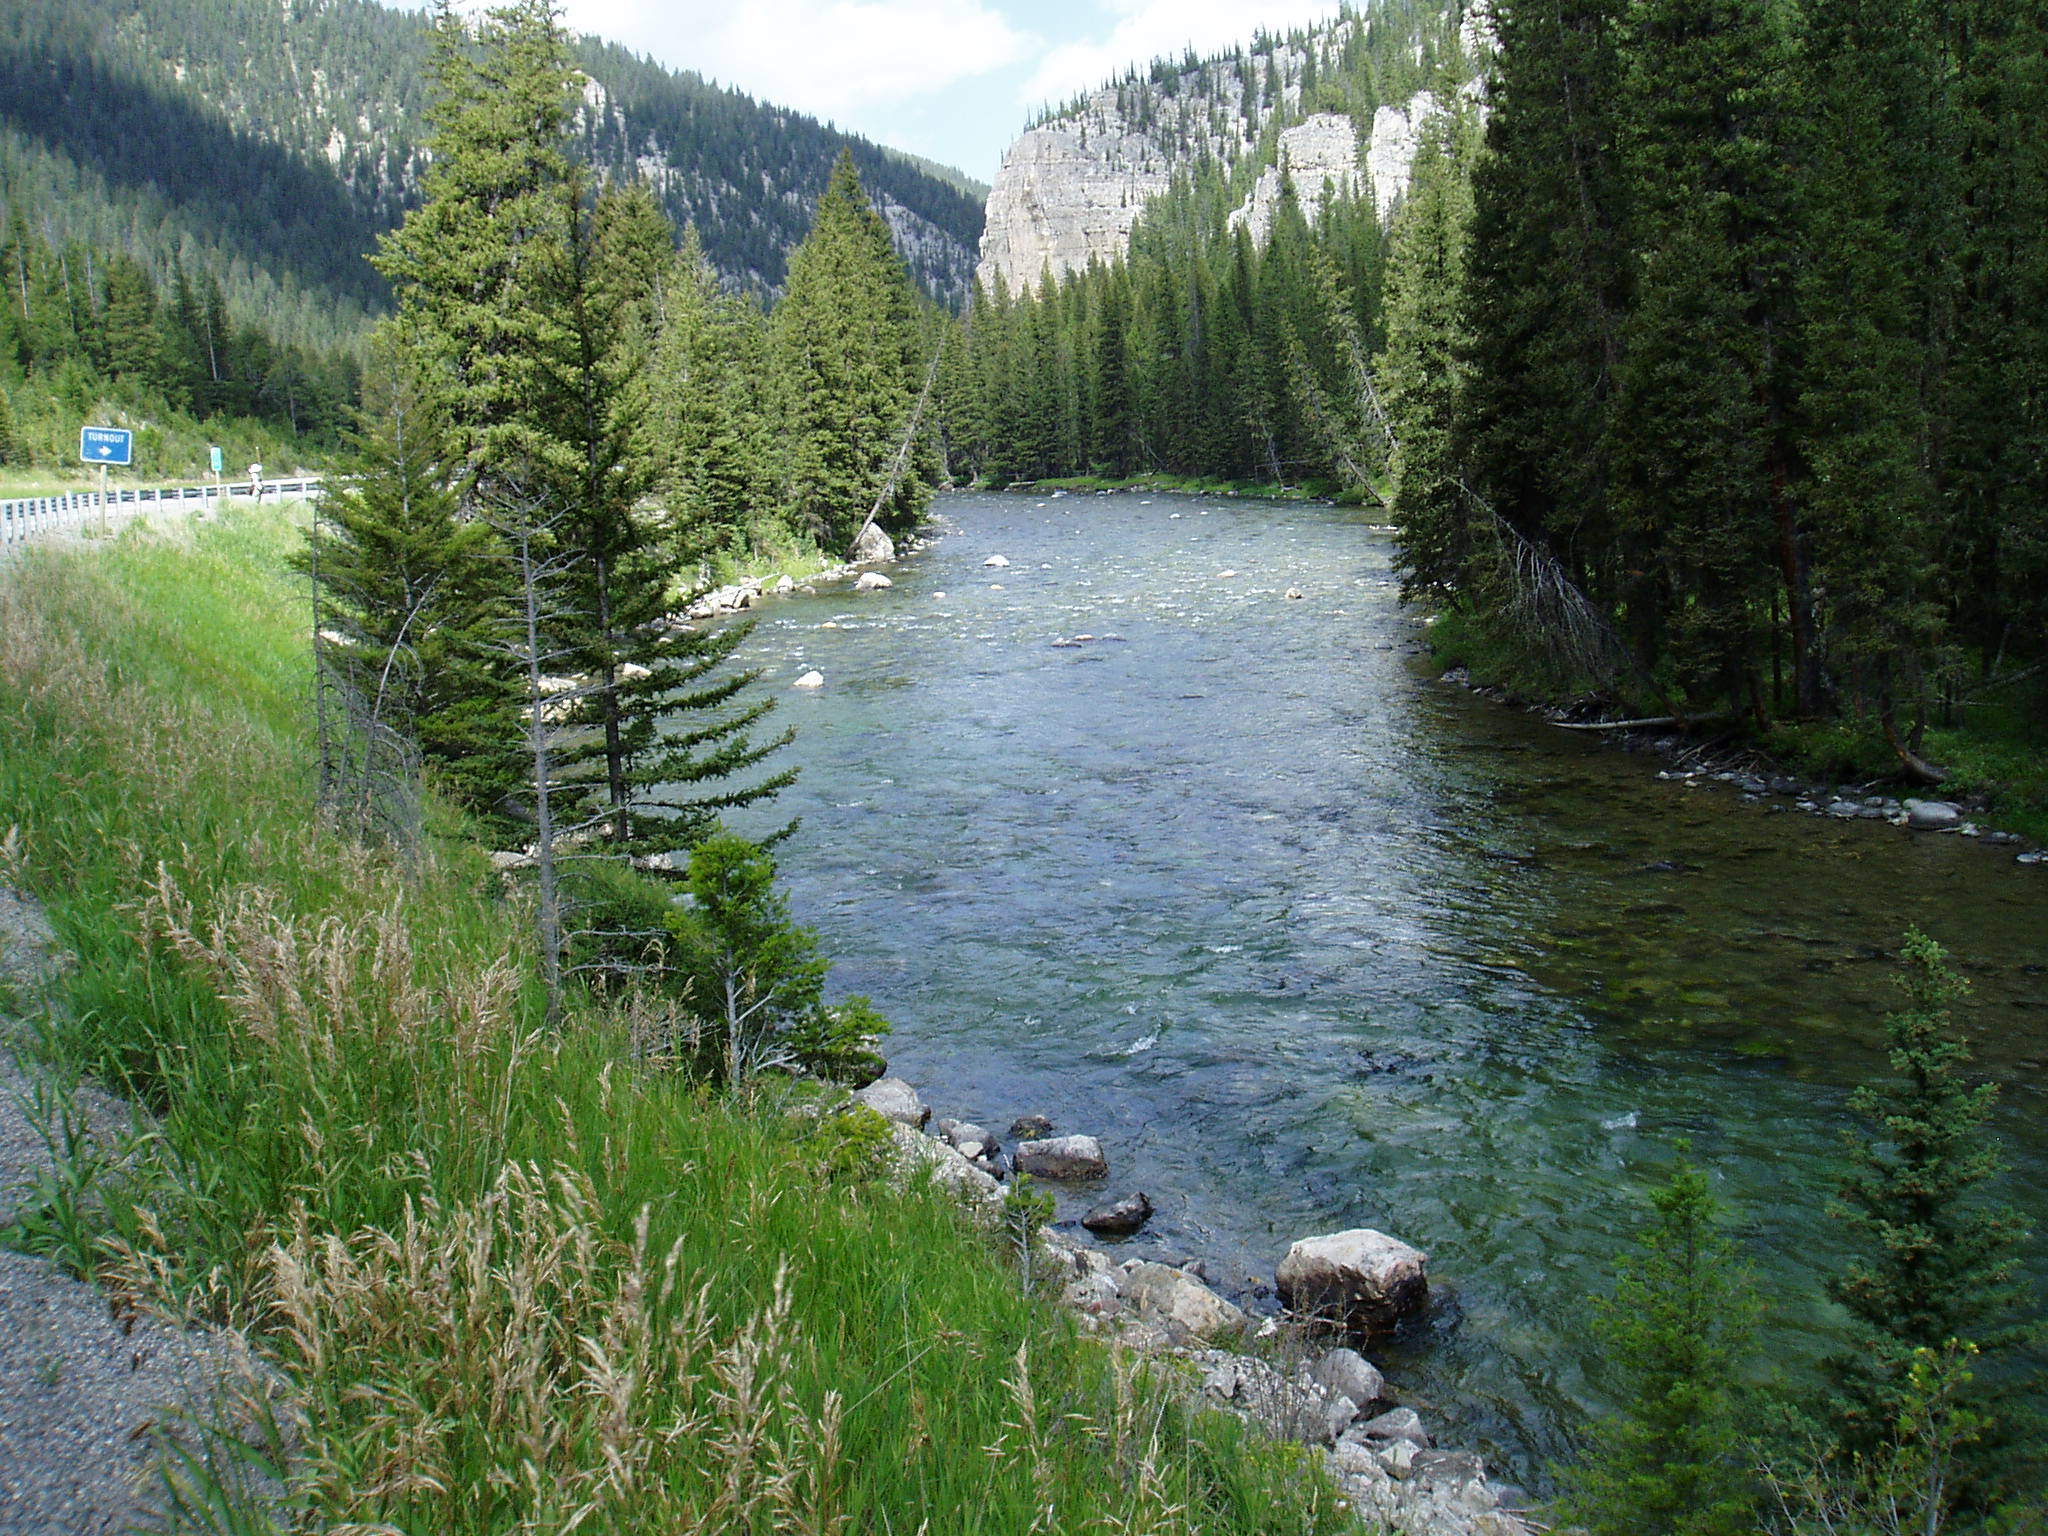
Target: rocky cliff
(1339, 108)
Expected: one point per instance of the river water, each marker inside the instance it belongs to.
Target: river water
(1312, 940)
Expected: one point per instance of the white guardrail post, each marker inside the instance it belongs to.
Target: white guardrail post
(26, 518)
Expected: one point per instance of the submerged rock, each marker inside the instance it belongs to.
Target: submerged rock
(1030, 1127)
(1119, 1218)
(1361, 1280)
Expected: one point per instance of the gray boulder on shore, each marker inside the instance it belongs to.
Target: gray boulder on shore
(1933, 815)
(1348, 1373)
(894, 1099)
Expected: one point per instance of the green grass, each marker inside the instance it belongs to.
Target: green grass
(1994, 747)
(516, 1279)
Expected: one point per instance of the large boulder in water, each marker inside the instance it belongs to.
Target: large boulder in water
(1119, 1218)
(1361, 1280)
(873, 546)
(1062, 1157)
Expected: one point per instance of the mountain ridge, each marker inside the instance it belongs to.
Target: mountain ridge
(268, 143)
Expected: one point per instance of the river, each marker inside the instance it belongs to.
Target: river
(1313, 940)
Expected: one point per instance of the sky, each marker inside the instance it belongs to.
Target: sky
(952, 80)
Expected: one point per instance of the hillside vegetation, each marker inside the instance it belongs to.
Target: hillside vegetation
(266, 146)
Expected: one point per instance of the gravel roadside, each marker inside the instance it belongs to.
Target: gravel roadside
(83, 1389)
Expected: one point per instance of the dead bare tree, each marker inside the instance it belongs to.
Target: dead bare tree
(901, 462)
(1545, 607)
(369, 762)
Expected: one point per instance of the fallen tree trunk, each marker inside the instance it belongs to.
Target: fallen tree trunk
(1918, 769)
(1626, 725)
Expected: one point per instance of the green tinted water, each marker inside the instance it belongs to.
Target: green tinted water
(1312, 940)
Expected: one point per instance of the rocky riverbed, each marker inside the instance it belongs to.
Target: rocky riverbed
(1312, 942)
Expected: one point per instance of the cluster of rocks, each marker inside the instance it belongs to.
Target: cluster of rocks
(874, 548)
(1353, 1285)
(741, 595)
(1852, 803)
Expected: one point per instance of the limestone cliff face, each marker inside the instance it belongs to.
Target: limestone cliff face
(1318, 156)
(1071, 187)
(1063, 196)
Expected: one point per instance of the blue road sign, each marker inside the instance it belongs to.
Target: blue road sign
(106, 445)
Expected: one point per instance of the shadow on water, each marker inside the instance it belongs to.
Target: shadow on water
(1122, 834)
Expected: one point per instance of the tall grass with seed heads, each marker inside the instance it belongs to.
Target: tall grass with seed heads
(519, 1279)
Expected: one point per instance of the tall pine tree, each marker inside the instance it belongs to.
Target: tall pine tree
(849, 369)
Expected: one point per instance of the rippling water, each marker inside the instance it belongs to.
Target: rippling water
(1313, 941)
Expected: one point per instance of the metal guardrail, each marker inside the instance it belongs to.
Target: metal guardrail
(26, 518)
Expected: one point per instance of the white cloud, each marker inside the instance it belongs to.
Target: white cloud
(1149, 29)
(827, 58)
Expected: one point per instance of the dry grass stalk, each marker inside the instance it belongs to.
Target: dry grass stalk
(502, 1365)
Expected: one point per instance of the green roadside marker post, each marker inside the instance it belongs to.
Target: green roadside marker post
(105, 446)
(213, 451)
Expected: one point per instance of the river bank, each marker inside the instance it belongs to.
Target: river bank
(1993, 757)
(1758, 778)
(1322, 943)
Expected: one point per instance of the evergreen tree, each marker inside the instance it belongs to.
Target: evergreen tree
(710, 409)
(129, 345)
(848, 369)
(1544, 291)
(1938, 1260)
(1670, 1461)
(757, 977)
(1421, 366)
(1702, 456)
(409, 597)
(531, 303)
(1872, 274)
(479, 268)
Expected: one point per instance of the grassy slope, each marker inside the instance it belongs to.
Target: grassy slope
(517, 1279)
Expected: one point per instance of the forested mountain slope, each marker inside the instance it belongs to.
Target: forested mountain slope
(266, 143)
